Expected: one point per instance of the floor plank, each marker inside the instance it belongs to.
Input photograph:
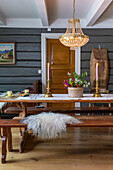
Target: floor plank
(81, 149)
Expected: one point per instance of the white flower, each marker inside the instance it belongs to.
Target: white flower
(84, 85)
(70, 79)
(88, 83)
(69, 74)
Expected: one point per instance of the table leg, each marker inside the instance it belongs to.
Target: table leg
(9, 140)
(23, 114)
(4, 141)
(24, 110)
(23, 130)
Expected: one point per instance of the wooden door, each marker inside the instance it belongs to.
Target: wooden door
(62, 61)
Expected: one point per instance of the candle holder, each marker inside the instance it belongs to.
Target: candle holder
(48, 94)
(97, 94)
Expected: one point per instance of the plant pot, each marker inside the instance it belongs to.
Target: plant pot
(75, 92)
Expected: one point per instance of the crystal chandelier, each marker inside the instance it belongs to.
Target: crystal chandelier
(74, 37)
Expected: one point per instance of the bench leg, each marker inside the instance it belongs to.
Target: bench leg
(9, 140)
(4, 149)
(1, 134)
(24, 138)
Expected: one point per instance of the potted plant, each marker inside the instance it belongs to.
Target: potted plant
(75, 85)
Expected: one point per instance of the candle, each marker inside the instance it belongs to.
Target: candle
(47, 71)
(97, 64)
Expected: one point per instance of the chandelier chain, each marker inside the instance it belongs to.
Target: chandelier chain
(74, 9)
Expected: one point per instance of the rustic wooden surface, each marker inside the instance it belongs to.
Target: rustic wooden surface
(11, 123)
(81, 148)
(103, 121)
(99, 56)
(86, 121)
(7, 135)
(7, 124)
(37, 98)
(72, 110)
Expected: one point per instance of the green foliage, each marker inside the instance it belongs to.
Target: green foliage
(78, 80)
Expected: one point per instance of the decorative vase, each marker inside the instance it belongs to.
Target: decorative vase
(75, 92)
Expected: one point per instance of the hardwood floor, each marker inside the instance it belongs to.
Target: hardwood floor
(80, 149)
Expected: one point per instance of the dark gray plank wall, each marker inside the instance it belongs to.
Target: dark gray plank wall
(28, 59)
(104, 38)
(28, 55)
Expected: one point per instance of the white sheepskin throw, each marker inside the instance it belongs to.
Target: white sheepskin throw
(49, 125)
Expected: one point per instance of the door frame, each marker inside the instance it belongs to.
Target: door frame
(44, 37)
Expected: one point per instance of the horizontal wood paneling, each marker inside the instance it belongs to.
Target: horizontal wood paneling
(20, 38)
(98, 32)
(20, 31)
(88, 71)
(24, 64)
(104, 38)
(28, 59)
(18, 80)
(87, 55)
(101, 39)
(18, 71)
(86, 63)
(88, 47)
(28, 56)
(16, 87)
(28, 47)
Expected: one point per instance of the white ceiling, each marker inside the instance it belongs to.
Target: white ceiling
(64, 8)
(55, 13)
(19, 8)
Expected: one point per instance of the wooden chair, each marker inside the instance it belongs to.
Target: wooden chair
(13, 108)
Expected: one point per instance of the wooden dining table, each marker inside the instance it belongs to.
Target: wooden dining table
(57, 98)
(102, 121)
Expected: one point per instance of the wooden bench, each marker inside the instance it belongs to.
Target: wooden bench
(6, 124)
(71, 110)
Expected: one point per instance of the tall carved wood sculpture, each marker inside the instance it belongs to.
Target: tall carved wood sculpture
(100, 56)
